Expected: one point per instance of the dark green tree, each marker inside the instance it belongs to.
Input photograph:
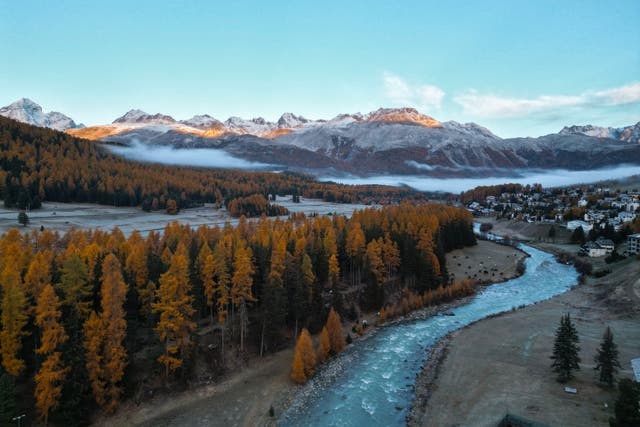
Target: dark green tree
(7, 399)
(565, 350)
(627, 406)
(23, 218)
(578, 236)
(607, 358)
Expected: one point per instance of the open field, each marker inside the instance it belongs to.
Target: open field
(243, 398)
(502, 364)
(64, 216)
(487, 262)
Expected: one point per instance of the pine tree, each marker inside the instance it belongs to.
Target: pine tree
(607, 358)
(334, 329)
(627, 406)
(324, 345)
(14, 319)
(565, 350)
(175, 308)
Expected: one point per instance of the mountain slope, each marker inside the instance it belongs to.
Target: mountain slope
(26, 111)
(629, 134)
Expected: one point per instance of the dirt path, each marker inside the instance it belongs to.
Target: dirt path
(501, 364)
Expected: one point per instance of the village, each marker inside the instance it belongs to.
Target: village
(605, 221)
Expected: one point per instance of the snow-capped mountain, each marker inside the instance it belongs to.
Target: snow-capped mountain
(139, 116)
(384, 141)
(629, 134)
(26, 111)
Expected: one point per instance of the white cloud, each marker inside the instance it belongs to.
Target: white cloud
(420, 96)
(621, 95)
(493, 106)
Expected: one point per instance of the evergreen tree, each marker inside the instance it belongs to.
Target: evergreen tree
(578, 236)
(627, 406)
(607, 358)
(565, 350)
(23, 218)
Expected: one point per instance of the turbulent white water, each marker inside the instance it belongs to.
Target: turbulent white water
(375, 386)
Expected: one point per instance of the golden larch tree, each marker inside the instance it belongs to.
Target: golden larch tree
(50, 376)
(14, 319)
(334, 328)
(324, 345)
(175, 307)
(241, 284)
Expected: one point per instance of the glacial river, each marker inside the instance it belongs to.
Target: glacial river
(373, 385)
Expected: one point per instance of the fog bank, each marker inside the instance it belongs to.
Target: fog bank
(549, 178)
(202, 157)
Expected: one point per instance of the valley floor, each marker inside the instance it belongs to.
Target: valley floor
(62, 217)
(502, 364)
(244, 397)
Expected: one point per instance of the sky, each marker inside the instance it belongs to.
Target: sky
(520, 68)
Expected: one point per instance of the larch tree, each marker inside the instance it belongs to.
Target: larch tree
(304, 347)
(76, 289)
(38, 275)
(334, 329)
(297, 369)
(14, 319)
(175, 308)
(334, 270)
(607, 358)
(221, 290)
(137, 270)
(241, 284)
(51, 375)
(375, 262)
(324, 345)
(273, 299)
(104, 336)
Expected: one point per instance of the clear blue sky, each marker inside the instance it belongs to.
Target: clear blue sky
(519, 68)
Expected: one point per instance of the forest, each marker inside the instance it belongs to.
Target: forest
(39, 164)
(92, 318)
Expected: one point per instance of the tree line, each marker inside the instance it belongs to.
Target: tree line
(38, 164)
(89, 317)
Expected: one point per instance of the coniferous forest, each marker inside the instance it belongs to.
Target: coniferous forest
(93, 318)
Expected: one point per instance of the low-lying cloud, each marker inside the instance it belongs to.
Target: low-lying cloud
(201, 157)
(551, 178)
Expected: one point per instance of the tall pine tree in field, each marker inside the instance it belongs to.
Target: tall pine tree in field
(607, 358)
(565, 350)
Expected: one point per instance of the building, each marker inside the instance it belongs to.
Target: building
(633, 243)
(606, 244)
(572, 225)
(593, 250)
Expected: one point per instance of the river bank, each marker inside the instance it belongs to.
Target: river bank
(378, 387)
(244, 398)
(501, 364)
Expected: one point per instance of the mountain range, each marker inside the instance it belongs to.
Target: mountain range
(386, 141)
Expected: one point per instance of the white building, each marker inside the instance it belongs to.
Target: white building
(633, 243)
(593, 250)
